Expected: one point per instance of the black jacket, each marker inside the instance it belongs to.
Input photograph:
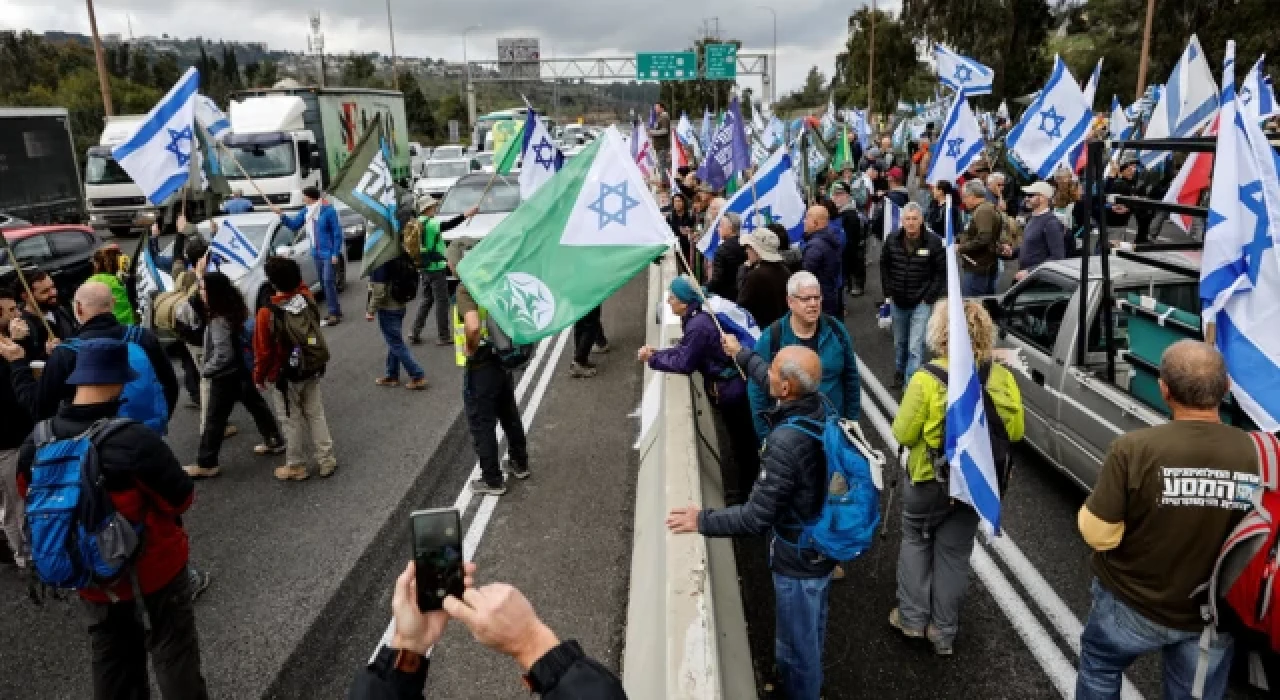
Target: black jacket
(763, 292)
(62, 323)
(42, 397)
(565, 673)
(822, 257)
(724, 268)
(790, 490)
(936, 220)
(16, 424)
(911, 278)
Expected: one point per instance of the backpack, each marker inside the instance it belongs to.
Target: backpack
(143, 398)
(78, 538)
(846, 526)
(510, 355)
(402, 279)
(1001, 446)
(411, 237)
(295, 327)
(164, 309)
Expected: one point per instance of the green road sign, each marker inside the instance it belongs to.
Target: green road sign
(681, 65)
(722, 62)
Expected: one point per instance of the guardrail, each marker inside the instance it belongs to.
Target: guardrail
(686, 632)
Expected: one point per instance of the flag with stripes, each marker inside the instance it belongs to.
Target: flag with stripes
(892, 218)
(961, 72)
(1053, 126)
(234, 253)
(735, 320)
(157, 155)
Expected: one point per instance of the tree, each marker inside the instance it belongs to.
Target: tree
(899, 72)
(417, 109)
(165, 72)
(450, 107)
(360, 71)
(231, 69)
(140, 68)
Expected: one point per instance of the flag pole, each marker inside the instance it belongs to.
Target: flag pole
(703, 297)
(243, 172)
(31, 298)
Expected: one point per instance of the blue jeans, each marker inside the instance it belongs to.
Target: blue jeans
(391, 323)
(1115, 635)
(801, 605)
(909, 327)
(329, 281)
(976, 284)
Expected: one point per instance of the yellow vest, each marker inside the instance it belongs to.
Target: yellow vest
(460, 335)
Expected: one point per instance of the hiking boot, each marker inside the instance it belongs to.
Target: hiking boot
(601, 349)
(415, 339)
(895, 621)
(898, 380)
(837, 574)
(416, 384)
(199, 581)
(198, 472)
(940, 647)
(327, 470)
(387, 381)
(484, 488)
(297, 472)
(270, 447)
(584, 371)
(230, 432)
(516, 469)
(331, 320)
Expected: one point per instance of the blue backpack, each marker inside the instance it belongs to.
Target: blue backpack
(143, 398)
(78, 538)
(845, 527)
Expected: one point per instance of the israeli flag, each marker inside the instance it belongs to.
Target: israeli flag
(215, 122)
(862, 127)
(967, 442)
(892, 219)
(1257, 97)
(235, 254)
(772, 196)
(734, 319)
(1053, 126)
(1121, 128)
(684, 132)
(1092, 87)
(959, 142)
(157, 155)
(961, 72)
(1239, 269)
(540, 158)
(774, 133)
(1187, 103)
(151, 280)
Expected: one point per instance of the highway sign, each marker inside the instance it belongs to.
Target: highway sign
(680, 65)
(722, 62)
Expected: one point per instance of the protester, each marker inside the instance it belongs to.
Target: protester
(14, 429)
(230, 379)
(897, 187)
(587, 332)
(106, 270)
(238, 203)
(913, 275)
(435, 271)
(189, 324)
(977, 245)
(390, 313)
(147, 486)
(682, 222)
(789, 493)
(922, 159)
(290, 354)
(936, 216)
(488, 390)
(1044, 237)
(324, 230)
(699, 350)
(729, 258)
(822, 259)
(792, 255)
(996, 189)
(42, 303)
(763, 292)
(660, 135)
(1069, 207)
(1153, 550)
(854, 256)
(937, 530)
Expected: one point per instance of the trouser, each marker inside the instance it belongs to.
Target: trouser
(746, 451)
(391, 323)
(224, 392)
(197, 385)
(435, 292)
(11, 503)
(933, 563)
(1115, 635)
(855, 262)
(801, 630)
(585, 332)
(976, 284)
(489, 397)
(326, 271)
(302, 409)
(909, 326)
(119, 646)
(190, 372)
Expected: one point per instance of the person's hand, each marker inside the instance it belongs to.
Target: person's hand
(644, 353)
(683, 521)
(11, 351)
(730, 344)
(368, 317)
(155, 228)
(501, 618)
(1020, 275)
(415, 630)
(181, 223)
(213, 226)
(277, 210)
(335, 260)
(1120, 209)
(1006, 250)
(18, 328)
(261, 387)
(472, 211)
(202, 265)
(50, 344)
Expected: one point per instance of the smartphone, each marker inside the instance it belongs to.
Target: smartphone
(437, 551)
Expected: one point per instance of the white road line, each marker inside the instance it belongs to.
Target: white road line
(1064, 621)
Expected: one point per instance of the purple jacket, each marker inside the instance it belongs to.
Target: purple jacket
(699, 350)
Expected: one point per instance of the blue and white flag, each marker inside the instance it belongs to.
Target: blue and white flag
(704, 136)
(1239, 269)
(234, 253)
(1257, 97)
(157, 155)
(828, 121)
(892, 219)
(862, 127)
(1189, 100)
(958, 144)
(653, 116)
(961, 72)
(967, 442)
(684, 132)
(1003, 110)
(541, 160)
(1121, 128)
(774, 133)
(1092, 87)
(772, 196)
(1053, 126)
(215, 122)
(729, 152)
(734, 319)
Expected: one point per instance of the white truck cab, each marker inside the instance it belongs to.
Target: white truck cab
(116, 203)
(269, 140)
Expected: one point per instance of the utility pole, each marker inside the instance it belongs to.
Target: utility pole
(395, 79)
(1146, 50)
(315, 41)
(871, 65)
(104, 79)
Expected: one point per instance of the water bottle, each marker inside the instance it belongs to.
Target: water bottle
(883, 319)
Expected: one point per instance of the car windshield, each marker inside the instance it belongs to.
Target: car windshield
(485, 158)
(447, 152)
(264, 161)
(503, 196)
(447, 169)
(104, 170)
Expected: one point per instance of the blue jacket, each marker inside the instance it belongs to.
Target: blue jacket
(822, 257)
(840, 381)
(328, 230)
(237, 205)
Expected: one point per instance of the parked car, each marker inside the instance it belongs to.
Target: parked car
(447, 153)
(441, 174)
(65, 251)
(502, 198)
(265, 232)
(354, 227)
(485, 159)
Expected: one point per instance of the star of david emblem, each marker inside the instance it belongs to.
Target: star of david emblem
(750, 224)
(546, 160)
(1054, 121)
(1246, 95)
(953, 147)
(963, 73)
(176, 137)
(600, 205)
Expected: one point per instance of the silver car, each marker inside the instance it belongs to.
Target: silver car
(270, 236)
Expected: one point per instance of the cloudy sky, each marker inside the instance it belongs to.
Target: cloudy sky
(810, 32)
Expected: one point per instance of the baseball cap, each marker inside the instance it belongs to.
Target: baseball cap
(1040, 188)
(895, 173)
(840, 187)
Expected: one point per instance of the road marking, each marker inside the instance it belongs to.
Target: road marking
(1064, 621)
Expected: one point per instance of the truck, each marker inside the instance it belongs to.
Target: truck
(290, 137)
(116, 203)
(39, 173)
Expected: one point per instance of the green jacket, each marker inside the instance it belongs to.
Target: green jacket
(122, 310)
(919, 423)
(432, 244)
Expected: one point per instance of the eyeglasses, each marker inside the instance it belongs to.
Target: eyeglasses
(807, 299)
